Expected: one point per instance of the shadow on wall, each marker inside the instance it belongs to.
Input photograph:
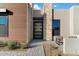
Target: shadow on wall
(52, 13)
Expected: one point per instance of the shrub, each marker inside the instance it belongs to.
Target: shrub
(12, 44)
(23, 45)
(6, 43)
(18, 45)
(2, 44)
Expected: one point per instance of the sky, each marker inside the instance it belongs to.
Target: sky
(39, 6)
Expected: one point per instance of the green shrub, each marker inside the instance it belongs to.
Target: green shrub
(2, 44)
(12, 44)
(18, 45)
(6, 43)
(23, 45)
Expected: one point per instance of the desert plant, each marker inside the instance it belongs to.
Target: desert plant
(6, 43)
(2, 44)
(18, 45)
(23, 45)
(12, 44)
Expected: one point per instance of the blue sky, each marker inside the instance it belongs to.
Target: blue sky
(56, 5)
(38, 5)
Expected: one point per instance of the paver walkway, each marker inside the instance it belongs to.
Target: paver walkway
(36, 49)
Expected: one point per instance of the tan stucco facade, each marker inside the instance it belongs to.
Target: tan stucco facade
(38, 13)
(70, 45)
(21, 22)
(64, 16)
(74, 20)
(29, 24)
(18, 22)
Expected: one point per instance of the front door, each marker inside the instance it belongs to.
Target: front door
(37, 28)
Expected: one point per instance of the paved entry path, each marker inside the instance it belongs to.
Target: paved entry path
(36, 48)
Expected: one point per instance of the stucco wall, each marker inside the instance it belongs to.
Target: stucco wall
(64, 16)
(75, 20)
(70, 45)
(17, 21)
(29, 24)
(71, 21)
(37, 13)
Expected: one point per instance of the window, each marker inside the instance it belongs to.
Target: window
(56, 27)
(3, 26)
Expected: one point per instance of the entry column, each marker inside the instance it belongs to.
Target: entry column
(48, 21)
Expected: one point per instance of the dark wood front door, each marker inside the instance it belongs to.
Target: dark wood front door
(37, 28)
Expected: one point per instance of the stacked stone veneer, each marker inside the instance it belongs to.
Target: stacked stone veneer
(47, 21)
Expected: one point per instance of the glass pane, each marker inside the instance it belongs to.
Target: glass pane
(56, 27)
(56, 24)
(3, 20)
(3, 26)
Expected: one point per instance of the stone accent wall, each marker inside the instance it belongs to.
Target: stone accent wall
(47, 21)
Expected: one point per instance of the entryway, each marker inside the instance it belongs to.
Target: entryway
(37, 28)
